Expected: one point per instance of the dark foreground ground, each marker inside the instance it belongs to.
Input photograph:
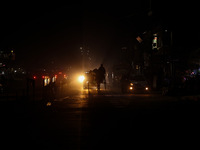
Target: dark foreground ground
(108, 121)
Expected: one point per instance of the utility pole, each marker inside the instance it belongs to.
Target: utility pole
(83, 59)
(150, 9)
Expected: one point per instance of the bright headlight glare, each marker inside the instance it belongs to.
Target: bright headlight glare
(81, 78)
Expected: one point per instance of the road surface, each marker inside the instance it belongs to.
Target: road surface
(105, 121)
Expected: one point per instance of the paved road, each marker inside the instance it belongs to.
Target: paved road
(106, 121)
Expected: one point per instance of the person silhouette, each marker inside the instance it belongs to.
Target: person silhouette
(100, 76)
(102, 72)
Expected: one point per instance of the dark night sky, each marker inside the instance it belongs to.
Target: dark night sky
(41, 33)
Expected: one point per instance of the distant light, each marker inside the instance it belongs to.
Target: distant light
(48, 104)
(53, 79)
(46, 80)
(131, 88)
(34, 77)
(137, 67)
(146, 88)
(139, 39)
(154, 42)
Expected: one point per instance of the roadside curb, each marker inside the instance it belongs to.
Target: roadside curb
(191, 97)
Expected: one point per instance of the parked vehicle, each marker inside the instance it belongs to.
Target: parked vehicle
(135, 84)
